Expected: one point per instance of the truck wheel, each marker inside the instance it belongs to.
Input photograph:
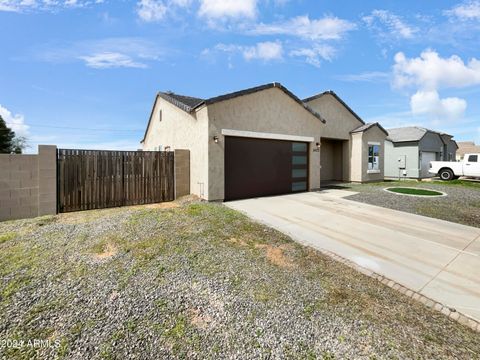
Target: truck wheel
(446, 174)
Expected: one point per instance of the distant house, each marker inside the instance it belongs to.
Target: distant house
(409, 150)
(466, 147)
(266, 141)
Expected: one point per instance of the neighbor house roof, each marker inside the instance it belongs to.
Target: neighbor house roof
(467, 147)
(368, 126)
(189, 104)
(330, 92)
(412, 133)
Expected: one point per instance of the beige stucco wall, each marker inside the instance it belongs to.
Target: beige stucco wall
(340, 121)
(181, 130)
(359, 158)
(356, 155)
(268, 111)
(332, 160)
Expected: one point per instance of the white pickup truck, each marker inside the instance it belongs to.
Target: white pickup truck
(448, 170)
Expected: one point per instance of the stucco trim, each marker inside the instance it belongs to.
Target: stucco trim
(261, 135)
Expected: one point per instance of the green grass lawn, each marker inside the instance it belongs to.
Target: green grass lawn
(465, 183)
(414, 191)
(198, 280)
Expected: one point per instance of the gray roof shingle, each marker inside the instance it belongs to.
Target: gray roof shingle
(411, 133)
(186, 103)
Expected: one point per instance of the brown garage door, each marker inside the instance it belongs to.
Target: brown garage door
(259, 167)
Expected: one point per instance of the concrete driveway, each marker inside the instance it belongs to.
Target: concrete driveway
(438, 259)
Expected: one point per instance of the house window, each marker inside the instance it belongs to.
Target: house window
(373, 157)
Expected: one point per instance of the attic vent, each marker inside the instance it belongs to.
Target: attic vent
(160, 115)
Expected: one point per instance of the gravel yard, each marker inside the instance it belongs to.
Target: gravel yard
(462, 205)
(198, 280)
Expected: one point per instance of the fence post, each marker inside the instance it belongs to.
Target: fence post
(47, 180)
(182, 173)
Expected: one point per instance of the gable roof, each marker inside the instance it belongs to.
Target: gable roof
(190, 104)
(368, 126)
(405, 134)
(412, 133)
(253, 90)
(330, 92)
(186, 103)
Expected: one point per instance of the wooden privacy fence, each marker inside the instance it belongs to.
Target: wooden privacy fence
(96, 179)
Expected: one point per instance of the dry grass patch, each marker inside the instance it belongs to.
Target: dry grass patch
(199, 319)
(276, 255)
(108, 251)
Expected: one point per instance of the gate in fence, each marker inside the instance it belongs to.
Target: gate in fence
(96, 179)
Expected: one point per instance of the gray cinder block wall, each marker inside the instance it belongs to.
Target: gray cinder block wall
(182, 173)
(28, 186)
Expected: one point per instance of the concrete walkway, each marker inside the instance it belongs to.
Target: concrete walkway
(438, 259)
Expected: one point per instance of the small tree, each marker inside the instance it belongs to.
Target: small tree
(7, 137)
(19, 144)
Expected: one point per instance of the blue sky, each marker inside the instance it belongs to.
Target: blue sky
(84, 73)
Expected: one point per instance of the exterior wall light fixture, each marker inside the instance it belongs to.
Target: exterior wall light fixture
(215, 138)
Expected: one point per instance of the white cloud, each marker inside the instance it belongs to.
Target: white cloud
(326, 28)
(430, 71)
(111, 60)
(429, 103)
(468, 10)
(314, 55)
(396, 26)
(371, 76)
(15, 122)
(104, 53)
(151, 10)
(266, 51)
(44, 5)
(233, 9)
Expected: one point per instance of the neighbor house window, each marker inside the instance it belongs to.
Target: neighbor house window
(373, 157)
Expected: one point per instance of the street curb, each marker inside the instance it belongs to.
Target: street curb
(430, 303)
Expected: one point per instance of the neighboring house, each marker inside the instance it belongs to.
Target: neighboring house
(409, 150)
(351, 150)
(265, 141)
(466, 147)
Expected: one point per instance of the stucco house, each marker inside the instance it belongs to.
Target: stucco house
(265, 141)
(409, 150)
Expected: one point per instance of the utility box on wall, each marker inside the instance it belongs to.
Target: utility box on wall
(402, 161)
